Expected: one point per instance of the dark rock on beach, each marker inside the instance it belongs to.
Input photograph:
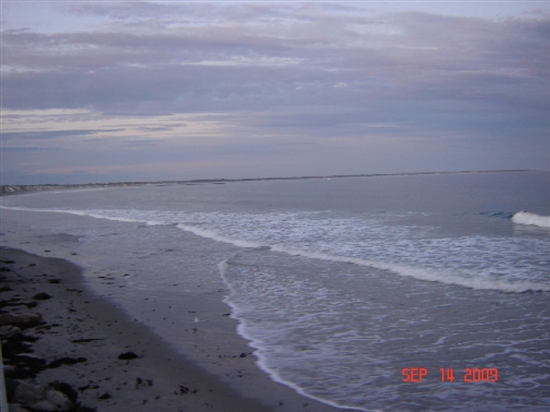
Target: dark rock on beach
(65, 361)
(127, 356)
(21, 320)
(41, 296)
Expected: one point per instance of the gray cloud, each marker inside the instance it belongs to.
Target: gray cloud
(429, 56)
(303, 71)
(19, 149)
(52, 134)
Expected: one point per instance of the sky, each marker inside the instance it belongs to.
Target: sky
(110, 91)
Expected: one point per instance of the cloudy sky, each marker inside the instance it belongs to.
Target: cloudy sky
(117, 91)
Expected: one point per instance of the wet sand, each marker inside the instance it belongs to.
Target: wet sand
(113, 362)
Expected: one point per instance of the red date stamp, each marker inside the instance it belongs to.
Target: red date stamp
(414, 374)
(448, 374)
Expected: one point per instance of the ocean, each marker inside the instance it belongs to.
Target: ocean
(381, 293)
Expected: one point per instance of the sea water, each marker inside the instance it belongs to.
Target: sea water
(404, 292)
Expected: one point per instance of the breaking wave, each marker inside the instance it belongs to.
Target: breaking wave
(532, 219)
(505, 282)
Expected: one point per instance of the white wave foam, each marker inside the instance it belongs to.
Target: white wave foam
(22, 208)
(421, 273)
(261, 349)
(94, 214)
(532, 219)
(78, 213)
(214, 236)
(472, 283)
(427, 274)
(402, 270)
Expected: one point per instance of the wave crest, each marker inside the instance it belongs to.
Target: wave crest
(532, 219)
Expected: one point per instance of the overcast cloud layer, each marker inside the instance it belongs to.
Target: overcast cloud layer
(95, 92)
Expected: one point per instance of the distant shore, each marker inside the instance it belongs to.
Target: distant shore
(18, 189)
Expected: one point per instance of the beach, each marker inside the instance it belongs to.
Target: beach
(111, 361)
(274, 296)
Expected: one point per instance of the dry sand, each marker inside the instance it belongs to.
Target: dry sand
(82, 336)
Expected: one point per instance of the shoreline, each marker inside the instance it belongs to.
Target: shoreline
(78, 325)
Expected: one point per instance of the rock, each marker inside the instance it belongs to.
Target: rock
(23, 319)
(127, 356)
(9, 331)
(11, 386)
(28, 393)
(45, 406)
(15, 407)
(59, 400)
(65, 361)
(39, 398)
(66, 389)
(41, 296)
(26, 366)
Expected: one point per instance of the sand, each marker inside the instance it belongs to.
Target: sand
(115, 363)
